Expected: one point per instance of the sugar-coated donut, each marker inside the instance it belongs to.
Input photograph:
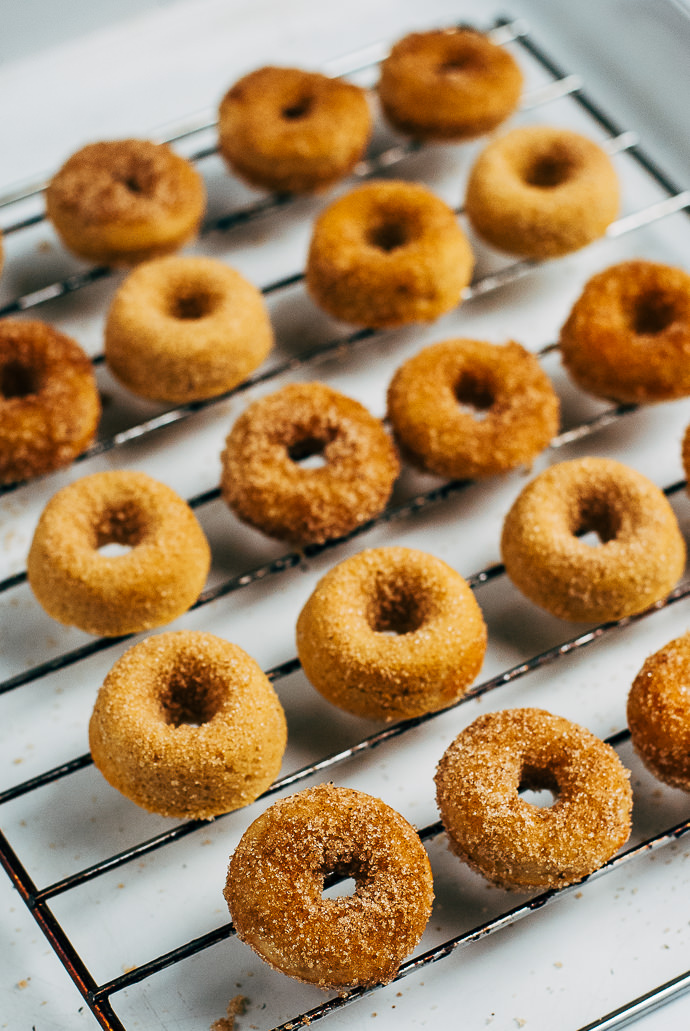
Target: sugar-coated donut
(293, 131)
(391, 633)
(185, 328)
(187, 725)
(149, 585)
(504, 385)
(122, 201)
(448, 84)
(627, 337)
(541, 192)
(265, 485)
(659, 713)
(640, 557)
(276, 879)
(49, 402)
(513, 843)
(388, 253)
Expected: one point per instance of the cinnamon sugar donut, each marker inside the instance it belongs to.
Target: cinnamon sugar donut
(641, 554)
(513, 843)
(388, 253)
(514, 410)
(264, 484)
(49, 402)
(152, 583)
(448, 84)
(391, 633)
(276, 879)
(122, 201)
(185, 328)
(541, 192)
(187, 725)
(293, 131)
(659, 713)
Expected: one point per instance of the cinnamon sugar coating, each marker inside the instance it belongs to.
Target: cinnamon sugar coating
(659, 713)
(276, 879)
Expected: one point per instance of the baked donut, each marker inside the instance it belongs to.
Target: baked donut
(277, 874)
(122, 201)
(541, 192)
(185, 328)
(627, 337)
(448, 84)
(293, 131)
(265, 485)
(641, 554)
(513, 843)
(391, 633)
(659, 713)
(466, 408)
(388, 253)
(187, 725)
(49, 403)
(152, 583)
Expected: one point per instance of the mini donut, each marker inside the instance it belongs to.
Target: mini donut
(122, 201)
(187, 725)
(541, 192)
(640, 557)
(391, 633)
(388, 253)
(49, 402)
(185, 328)
(627, 337)
(659, 713)
(513, 843)
(513, 409)
(293, 131)
(265, 485)
(276, 879)
(448, 84)
(150, 584)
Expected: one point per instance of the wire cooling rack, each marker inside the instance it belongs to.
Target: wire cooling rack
(107, 858)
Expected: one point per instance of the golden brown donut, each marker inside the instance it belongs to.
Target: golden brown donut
(122, 201)
(513, 409)
(541, 192)
(265, 485)
(388, 253)
(49, 402)
(185, 328)
(391, 633)
(276, 878)
(640, 557)
(448, 84)
(151, 584)
(187, 725)
(627, 337)
(293, 131)
(513, 843)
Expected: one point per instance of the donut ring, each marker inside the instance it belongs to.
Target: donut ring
(627, 337)
(276, 879)
(448, 84)
(49, 403)
(541, 192)
(293, 131)
(517, 845)
(122, 201)
(184, 329)
(386, 254)
(188, 726)
(391, 633)
(264, 484)
(642, 552)
(151, 584)
(506, 384)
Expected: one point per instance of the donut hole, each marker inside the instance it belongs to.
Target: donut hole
(120, 528)
(549, 169)
(189, 696)
(396, 607)
(652, 313)
(597, 521)
(474, 391)
(18, 380)
(309, 452)
(462, 62)
(388, 234)
(301, 108)
(538, 787)
(342, 876)
(194, 304)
